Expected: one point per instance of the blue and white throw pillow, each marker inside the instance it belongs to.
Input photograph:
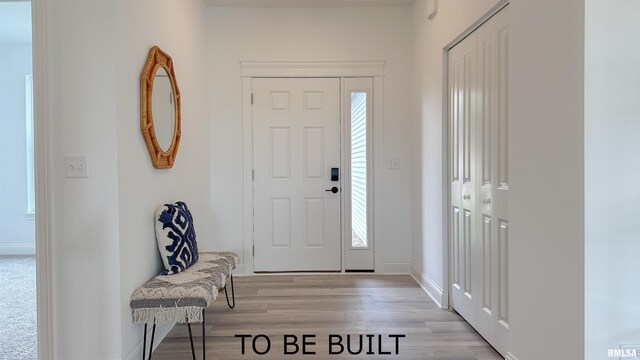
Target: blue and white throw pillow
(176, 237)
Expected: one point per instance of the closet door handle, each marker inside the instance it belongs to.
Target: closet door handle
(486, 201)
(466, 197)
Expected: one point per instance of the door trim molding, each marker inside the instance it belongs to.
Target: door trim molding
(483, 19)
(446, 188)
(358, 258)
(39, 10)
(247, 204)
(310, 69)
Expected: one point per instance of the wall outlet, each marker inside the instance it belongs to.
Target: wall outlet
(76, 166)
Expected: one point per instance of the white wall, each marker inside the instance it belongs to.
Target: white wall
(85, 221)
(18, 234)
(429, 38)
(179, 28)
(103, 239)
(306, 34)
(546, 201)
(612, 169)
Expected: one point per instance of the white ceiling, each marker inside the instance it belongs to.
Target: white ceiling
(307, 3)
(15, 22)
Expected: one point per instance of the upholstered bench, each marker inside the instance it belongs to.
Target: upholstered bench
(183, 297)
(189, 281)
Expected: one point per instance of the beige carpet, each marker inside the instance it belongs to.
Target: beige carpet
(18, 337)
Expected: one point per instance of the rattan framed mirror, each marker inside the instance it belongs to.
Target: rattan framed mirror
(160, 109)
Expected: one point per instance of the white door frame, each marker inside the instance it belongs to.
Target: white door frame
(357, 258)
(446, 193)
(311, 69)
(39, 11)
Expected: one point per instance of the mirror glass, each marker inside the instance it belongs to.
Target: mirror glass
(164, 112)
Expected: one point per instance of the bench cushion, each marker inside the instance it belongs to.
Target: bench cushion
(181, 297)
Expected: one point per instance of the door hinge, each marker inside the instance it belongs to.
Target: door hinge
(253, 175)
(251, 98)
(254, 251)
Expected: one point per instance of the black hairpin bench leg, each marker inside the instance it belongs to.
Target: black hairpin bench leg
(193, 351)
(144, 342)
(233, 294)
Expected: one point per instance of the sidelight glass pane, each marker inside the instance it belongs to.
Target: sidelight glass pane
(359, 169)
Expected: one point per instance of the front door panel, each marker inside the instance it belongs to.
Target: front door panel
(296, 143)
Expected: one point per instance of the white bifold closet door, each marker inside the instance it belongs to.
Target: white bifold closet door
(479, 179)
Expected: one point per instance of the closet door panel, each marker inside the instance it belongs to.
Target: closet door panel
(479, 179)
(500, 170)
(492, 38)
(462, 114)
(487, 106)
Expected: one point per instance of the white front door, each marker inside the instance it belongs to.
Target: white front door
(296, 132)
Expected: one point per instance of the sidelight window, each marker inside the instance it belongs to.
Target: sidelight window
(359, 169)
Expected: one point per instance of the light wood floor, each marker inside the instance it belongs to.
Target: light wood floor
(276, 305)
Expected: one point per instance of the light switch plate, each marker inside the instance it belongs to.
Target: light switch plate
(393, 164)
(76, 166)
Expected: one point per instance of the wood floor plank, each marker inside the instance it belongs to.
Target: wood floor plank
(324, 305)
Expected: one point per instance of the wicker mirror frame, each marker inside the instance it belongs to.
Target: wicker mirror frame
(160, 158)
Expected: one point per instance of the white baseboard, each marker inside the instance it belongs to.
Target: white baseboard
(388, 269)
(510, 357)
(396, 268)
(431, 288)
(161, 332)
(17, 249)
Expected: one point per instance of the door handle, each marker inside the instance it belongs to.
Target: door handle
(466, 196)
(486, 201)
(333, 190)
